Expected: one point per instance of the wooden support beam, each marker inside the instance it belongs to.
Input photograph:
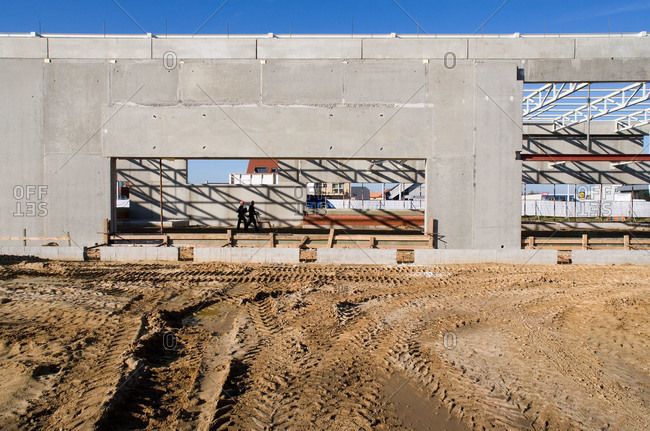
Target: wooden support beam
(105, 239)
(330, 239)
(626, 242)
(25, 235)
(531, 242)
(69, 240)
(34, 238)
(303, 241)
(229, 239)
(272, 239)
(585, 241)
(430, 232)
(371, 242)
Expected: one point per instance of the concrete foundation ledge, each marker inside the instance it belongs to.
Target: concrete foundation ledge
(132, 254)
(246, 255)
(53, 253)
(610, 257)
(356, 256)
(509, 256)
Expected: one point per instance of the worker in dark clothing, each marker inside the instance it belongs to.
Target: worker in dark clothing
(241, 215)
(251, 216)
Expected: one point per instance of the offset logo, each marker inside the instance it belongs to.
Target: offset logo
(169, 341)
(450, 60)
(170, 60)
(30, 200)
(449, 340)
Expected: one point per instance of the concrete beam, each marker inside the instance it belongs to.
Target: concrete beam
(134, 254)
(277, 132)
(52, 253)
(23, 47)
(451, 49)
(514, 257)
(610, 257)
(587, 70)
(206, 48)
(357, 256)
(518, 48)
(297, 48)
(100, 48)
(247, 255)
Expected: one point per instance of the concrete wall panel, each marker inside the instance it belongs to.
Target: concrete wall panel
(99, 48)
(610, 257)
(384, 82)
(77, 196)
(270, 132)
(135, 254)
(204, 48)
(302, 83)
(583, 70)
(21, 83)
(612, 47)
(74, 95)
(331, 48)
(144, 82)
(359, 256)
(415, 48)
(23, 47)
(247, 255)
(459, 256)
(213, 81)
(516, 48)
(53, 253)
(497, 109)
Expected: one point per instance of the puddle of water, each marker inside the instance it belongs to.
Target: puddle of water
(217, 317)
(214, 311)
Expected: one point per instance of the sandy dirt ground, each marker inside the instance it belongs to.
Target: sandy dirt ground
(204, 346)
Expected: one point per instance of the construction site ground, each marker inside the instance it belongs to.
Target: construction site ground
(185, 346)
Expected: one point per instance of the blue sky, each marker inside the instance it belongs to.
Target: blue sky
(314, 17)
(333, 16)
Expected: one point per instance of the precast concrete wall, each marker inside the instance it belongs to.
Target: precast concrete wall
(134, 254)
(360, 256)
(515, 257)
(247, 255)
(610, 257)
(72, 105)
(53, 253)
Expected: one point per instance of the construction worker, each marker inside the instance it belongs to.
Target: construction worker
(251, 216)
(241, 215)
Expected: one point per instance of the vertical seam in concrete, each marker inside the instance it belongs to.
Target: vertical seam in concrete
(47, 47)
(362, 40)
(151, 48)
(178, 81)
(575, 47)
(467, 49)
(473, 244)
(41, 109)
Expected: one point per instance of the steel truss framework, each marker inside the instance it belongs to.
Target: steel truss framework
(567, 104)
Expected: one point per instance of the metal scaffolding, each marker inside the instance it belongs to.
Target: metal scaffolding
(564, 105)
